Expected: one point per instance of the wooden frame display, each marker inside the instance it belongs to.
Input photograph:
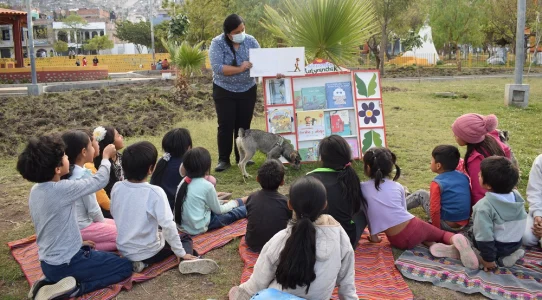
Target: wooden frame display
(327, 100)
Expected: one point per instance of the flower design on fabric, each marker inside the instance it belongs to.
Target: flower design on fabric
(369, 113)
(99, 133)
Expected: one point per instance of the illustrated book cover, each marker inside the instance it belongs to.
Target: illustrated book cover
(310, 125)
(339, 95)
(280, 120)
(314, 98)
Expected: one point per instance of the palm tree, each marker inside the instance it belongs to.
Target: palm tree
(188, 60)
(328, 29)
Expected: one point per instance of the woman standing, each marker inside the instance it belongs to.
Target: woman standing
(234, 91)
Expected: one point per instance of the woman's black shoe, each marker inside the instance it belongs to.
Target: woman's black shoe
(222, 166)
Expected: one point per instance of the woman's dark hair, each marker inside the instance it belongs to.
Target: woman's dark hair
(40, 157)
(75, 141)
(109, 138)
(230, 23)
(297, 258)
(336, 154)
(137, 159)
(488, 147)
(175, 142)
(381, 162)
(196, 162)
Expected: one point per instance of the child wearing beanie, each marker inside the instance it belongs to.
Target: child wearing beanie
(479, 134)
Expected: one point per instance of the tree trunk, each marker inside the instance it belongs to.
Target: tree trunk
(383, 46)
(458, 57)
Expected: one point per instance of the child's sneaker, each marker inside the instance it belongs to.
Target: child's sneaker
(201, 266)
(443, 250)
(466, 254)
(138, 266)
(510, 260)
(37, 285)
(66, 286)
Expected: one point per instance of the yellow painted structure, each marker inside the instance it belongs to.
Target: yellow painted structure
(409, 61)
(115, 63)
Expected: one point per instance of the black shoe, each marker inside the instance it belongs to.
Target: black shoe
(222, 166)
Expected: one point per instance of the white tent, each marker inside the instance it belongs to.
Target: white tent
(427, 50)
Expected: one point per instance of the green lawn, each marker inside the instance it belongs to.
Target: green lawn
(416, 122)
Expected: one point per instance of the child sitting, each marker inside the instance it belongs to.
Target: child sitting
(533, 230)
(267, 209)
(70, 265)
(345, 202)
(101, 196)
(92, 223)
(167, 173)
(499, 218)
(139, 208)
(448, 202)
(197, 207)
(105, 136)
(479, 134)
(388, 213)
(308, 258)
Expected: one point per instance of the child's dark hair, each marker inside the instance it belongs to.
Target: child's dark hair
(175, 142)
(271, 174)
(380, 162)
(88, 132)
(336, 154)
(109, 138)
(488, 147)
(297, 258)
(230, 23)
(447, 155)
(137, 159)
(40, 157)
(500, 173)
(75, 141)
(196, 162)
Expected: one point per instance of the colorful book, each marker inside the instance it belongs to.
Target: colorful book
(309, 153)
(314, 98)
(298, 100)
(338, 122)
(280, 120)
(310, 125)
(339, 95)
(277, 92)
(353, 142)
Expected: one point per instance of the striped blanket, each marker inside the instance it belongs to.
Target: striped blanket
(523, 281)
(25, 252)
(376, 276)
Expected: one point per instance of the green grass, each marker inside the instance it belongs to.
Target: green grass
(416, 121)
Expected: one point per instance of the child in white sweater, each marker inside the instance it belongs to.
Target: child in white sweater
(308, 258)
(139, 208)
(533, 230)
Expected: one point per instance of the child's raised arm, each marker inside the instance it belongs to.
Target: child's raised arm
(71, 190)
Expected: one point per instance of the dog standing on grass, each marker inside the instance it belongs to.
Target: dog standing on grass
(274, 145)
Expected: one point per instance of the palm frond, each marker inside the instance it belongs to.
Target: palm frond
(328, 29)
(188, 59)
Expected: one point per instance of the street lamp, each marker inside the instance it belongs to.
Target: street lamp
(33, 89)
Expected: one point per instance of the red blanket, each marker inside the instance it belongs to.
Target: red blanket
(376, 275)
(25, 252)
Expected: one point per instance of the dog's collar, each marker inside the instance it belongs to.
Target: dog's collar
(280, 141)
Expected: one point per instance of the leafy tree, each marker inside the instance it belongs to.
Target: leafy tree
(326, 28)
(98, 43)
(388, 11)
(178, 27)
(75, 23)
(412, 41)
(206, 19)
(60, 47)
(5, 5)
(136, 33)
(457, 22)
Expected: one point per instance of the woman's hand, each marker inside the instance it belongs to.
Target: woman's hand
(246, 65)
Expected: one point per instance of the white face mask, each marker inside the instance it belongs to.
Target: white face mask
(238, 38)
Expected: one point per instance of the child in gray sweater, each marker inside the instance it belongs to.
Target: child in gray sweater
(71, 266)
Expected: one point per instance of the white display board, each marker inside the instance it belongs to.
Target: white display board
(273, 61)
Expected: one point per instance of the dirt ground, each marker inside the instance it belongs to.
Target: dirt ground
(133, 109)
